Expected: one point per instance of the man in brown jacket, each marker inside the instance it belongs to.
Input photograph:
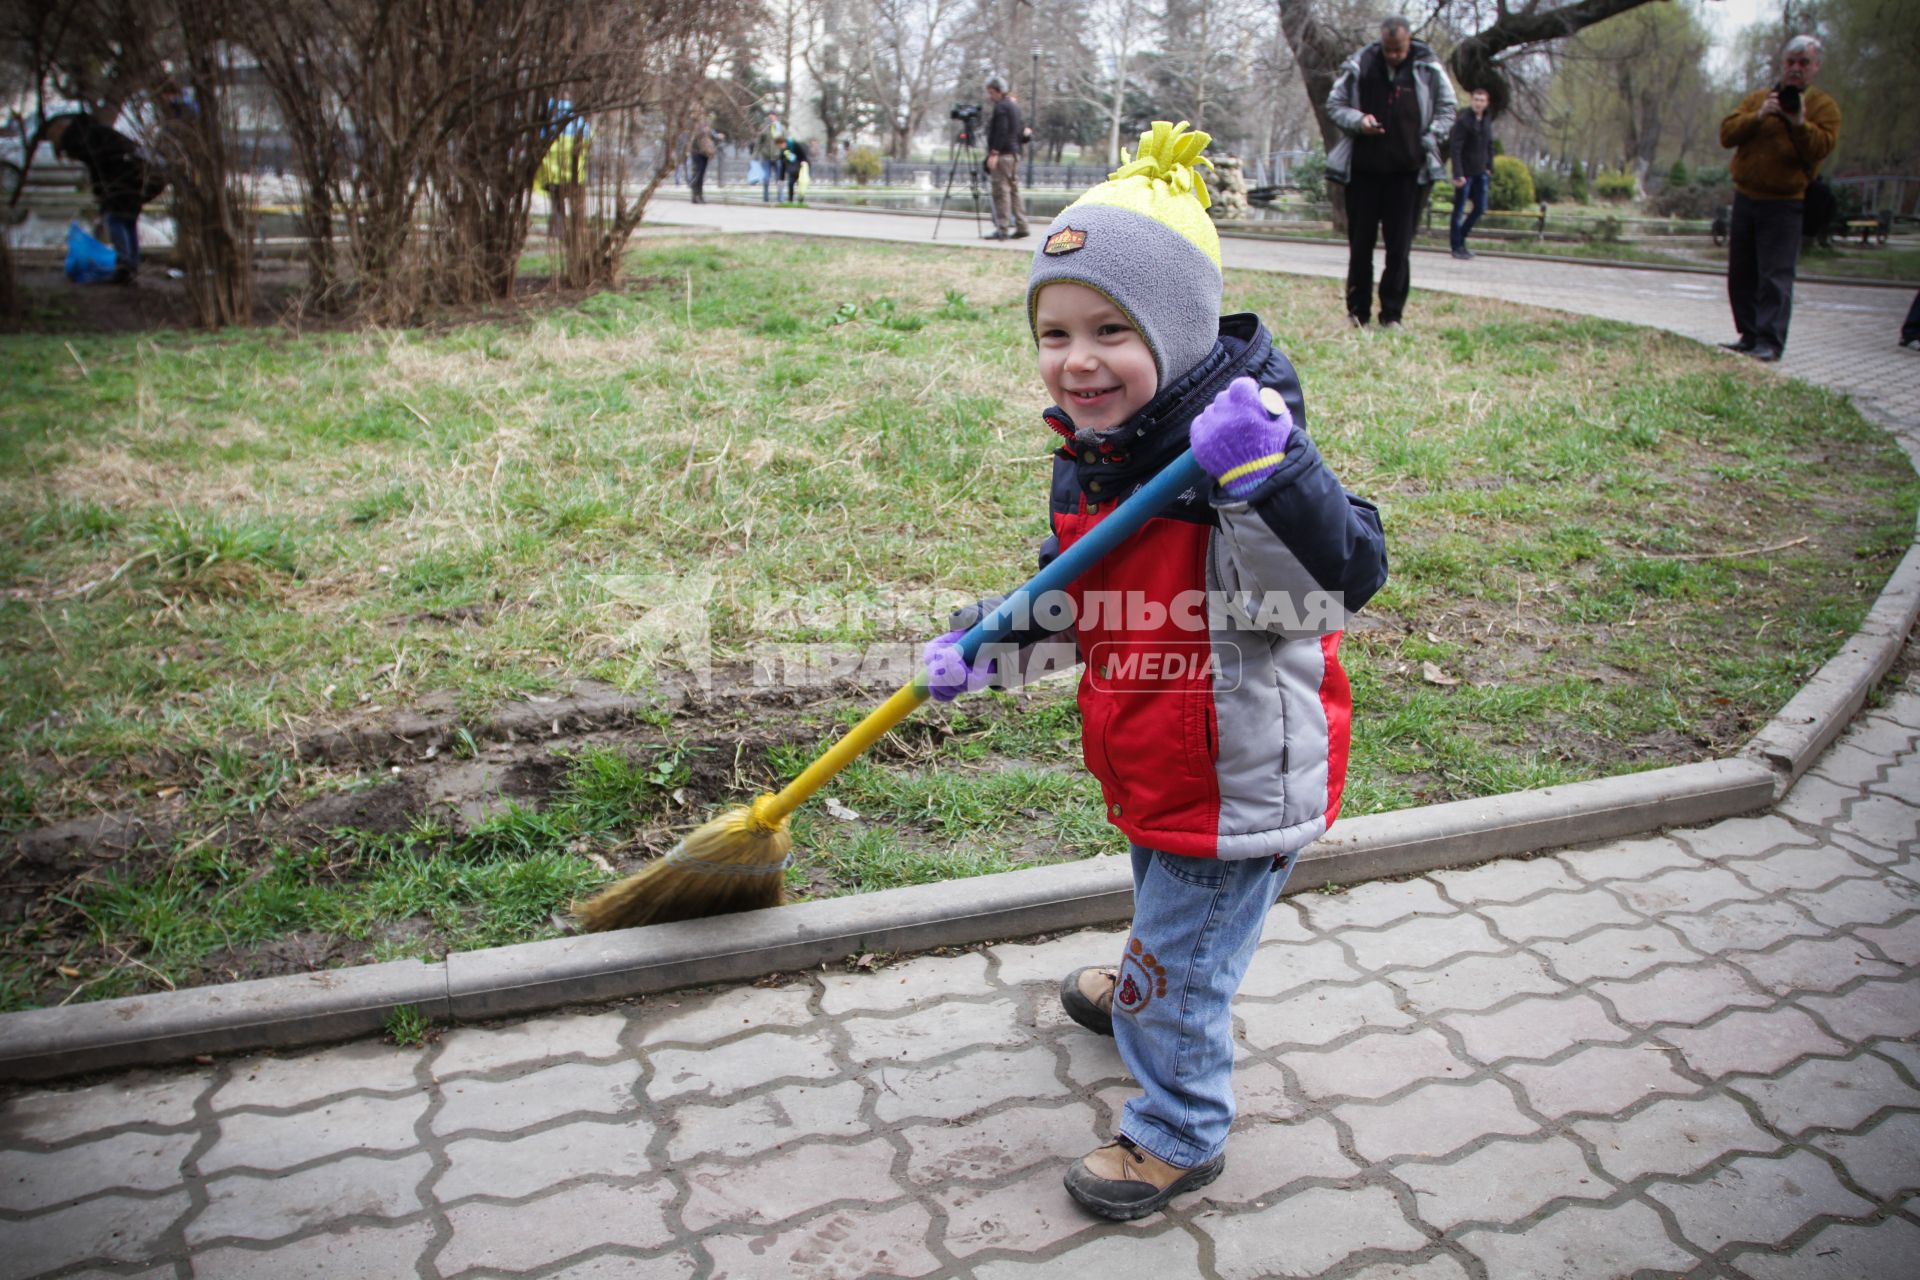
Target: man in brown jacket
(1779, 137)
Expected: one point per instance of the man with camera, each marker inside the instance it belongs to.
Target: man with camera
(1004, 129)
(1779, 136)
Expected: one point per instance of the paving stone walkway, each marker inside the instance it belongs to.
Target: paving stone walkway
(1696, 1054)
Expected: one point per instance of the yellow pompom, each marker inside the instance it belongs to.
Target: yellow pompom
(1169, 153)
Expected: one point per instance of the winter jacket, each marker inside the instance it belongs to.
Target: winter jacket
(1004, 127)
(1771, 158)
(1437, 108)
(122, 178)
(1470, 149)
(1214, 735)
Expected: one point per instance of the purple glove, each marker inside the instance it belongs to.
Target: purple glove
(1237, 441)
(948, 675)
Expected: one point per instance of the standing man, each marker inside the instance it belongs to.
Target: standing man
(1779, 136)
(703, 151)
(1471, 152)
(1395, 103)
(1004, 131)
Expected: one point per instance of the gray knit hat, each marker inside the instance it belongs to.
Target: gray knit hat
(1143, 238)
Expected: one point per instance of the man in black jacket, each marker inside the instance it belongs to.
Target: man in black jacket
(1471, 157)
(1394, 102)
(121, 177)
(1004, 129)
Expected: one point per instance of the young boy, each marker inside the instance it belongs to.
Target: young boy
(1218, 730)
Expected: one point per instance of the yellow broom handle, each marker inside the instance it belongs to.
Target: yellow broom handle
(842, 753)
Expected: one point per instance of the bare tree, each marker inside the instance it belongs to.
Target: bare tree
(212, 206)
(297, 54)
(908, 57)
(1488, 39)
(667, 79)
(1203, 61)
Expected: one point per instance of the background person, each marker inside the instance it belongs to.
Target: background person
(767, 150)
(122, 178)
(1470, 151)
(1005, 130)
(1779, 136)
(703, 150)
(1395, 103)
(793, 159)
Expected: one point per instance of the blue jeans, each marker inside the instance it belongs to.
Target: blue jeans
(125, 234)
(1475, 190)
(1196, 922)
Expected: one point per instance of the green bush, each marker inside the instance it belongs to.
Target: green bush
(1310, 175)
(1577, 183)
(1614, 184)
(864, 165)
(1546, 185)
(1678, 176)
(1705, 196)
(1512, 185)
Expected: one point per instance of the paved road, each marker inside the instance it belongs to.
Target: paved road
(1692, 1054)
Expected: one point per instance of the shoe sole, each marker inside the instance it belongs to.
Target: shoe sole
(1128, 1210)
(1082, 1010)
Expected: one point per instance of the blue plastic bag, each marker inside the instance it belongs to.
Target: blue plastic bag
(756, 172)
(89, 261)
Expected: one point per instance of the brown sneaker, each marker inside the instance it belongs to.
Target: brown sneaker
(1087, 996)
(1123, 1182)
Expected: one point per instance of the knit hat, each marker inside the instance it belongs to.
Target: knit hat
(1144, 239)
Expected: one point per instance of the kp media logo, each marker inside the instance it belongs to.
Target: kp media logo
(1134, 667)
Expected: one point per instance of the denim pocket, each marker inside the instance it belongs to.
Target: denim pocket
(1202, 873)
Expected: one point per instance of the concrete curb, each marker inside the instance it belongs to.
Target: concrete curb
(528, 977)
(170, 1026)
(1814, 717)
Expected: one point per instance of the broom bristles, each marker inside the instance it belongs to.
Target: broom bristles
(737, 862)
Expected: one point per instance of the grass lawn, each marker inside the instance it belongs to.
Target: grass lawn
(286, 616)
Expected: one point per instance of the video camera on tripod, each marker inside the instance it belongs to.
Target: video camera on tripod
(968, 114)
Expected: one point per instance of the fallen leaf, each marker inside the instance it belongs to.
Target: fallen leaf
(600, 862)
(1432, 674)
(1432, 638)
(840, 811)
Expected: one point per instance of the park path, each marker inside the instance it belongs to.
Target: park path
(1688, 1054)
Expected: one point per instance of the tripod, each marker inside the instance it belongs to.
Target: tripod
(962, 141)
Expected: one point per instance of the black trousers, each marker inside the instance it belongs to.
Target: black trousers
(1380, 204)
(1910, 331)
(699, 182)
(1763, 248)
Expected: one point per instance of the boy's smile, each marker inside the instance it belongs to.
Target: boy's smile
(1093, 361)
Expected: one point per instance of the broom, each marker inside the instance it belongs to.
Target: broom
(738, 861)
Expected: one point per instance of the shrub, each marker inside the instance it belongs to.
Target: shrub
(1310, 175)
(1677, 176)
(1546, 185)
(1705, 196)
(1512, 185)
(864, 165)
(1577, 183)
(1614, 184)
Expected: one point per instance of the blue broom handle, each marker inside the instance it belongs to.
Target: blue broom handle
(1148, 501)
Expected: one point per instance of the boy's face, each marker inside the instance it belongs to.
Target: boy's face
(1093, 361)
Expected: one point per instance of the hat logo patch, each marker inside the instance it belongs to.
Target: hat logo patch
(1065, 240)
